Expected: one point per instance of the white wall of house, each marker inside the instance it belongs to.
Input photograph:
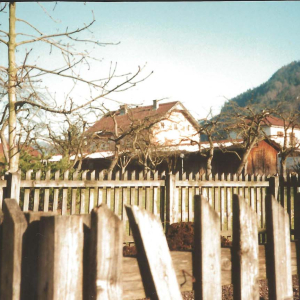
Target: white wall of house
(175, 130)
(276, 133)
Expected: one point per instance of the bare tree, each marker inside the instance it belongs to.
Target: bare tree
(22, 79)
(150, 154)
(245, 123)
(287, 141)
(210, 127)
(72, 141)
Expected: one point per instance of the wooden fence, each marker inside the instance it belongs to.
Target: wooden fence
(48, 256)
(166, 196)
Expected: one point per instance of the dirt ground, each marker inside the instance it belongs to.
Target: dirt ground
(180, 236)
(227, 291)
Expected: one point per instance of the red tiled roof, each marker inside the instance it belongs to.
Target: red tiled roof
(29, 149)
(106, 123)
(271, 120)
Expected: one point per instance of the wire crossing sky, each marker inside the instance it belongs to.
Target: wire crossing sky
(201, 53)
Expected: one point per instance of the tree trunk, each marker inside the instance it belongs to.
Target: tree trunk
(210, 157)
(283, 171)
(115, 159)
(243, 161)
(123, 171)
(12, 77)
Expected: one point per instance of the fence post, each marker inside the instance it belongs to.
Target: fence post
(278, 251)
(274, 186)
(244, 251)
(106, 254)
(14, 226)
(207, 252)
(13, 184)
(170, 199)
(155, 263)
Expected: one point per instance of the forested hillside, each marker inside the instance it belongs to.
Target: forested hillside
(283, 86)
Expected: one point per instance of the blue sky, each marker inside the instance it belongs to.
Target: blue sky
(201, 53)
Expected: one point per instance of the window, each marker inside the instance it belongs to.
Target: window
(162, 124)
(175, 126)
(279, 133)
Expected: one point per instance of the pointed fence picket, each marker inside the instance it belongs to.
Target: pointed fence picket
(278, 251)
(245, 258)
(155, 263)
(207, 252)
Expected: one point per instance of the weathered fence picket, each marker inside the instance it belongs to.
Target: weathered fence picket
(278, 251)
(155, 263)
(27, 192)
(56, 192)
(106, 255)
(60, 246)
(245, 251)
(82, 195)
(92, 194)
(14, 226)
(207, 253)
(65, 195)
(47, 193)
(30, 253)
(74, 196)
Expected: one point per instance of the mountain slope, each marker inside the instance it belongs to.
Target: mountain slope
(283, 86)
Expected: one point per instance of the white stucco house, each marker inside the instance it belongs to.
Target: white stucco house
(274, 129)
(167, 125)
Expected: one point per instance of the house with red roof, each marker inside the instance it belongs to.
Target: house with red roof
(166, 124)
(274, 129)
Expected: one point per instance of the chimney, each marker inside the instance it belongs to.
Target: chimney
(155, 104)
(123, 109)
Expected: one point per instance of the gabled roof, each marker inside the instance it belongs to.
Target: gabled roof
(138, 114)
(271, 120)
